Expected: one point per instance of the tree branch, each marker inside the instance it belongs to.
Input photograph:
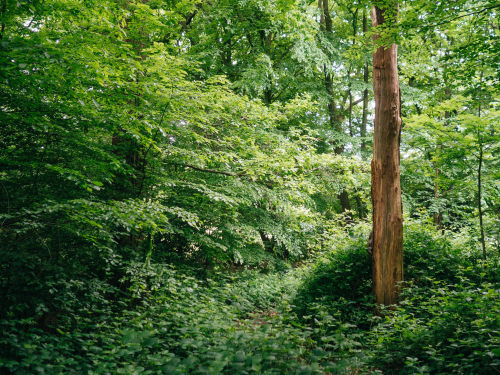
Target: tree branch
(207, 170)
(454, 18)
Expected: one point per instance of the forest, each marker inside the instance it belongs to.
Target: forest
(249, 187)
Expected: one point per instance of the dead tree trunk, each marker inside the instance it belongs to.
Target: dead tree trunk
(387, 256)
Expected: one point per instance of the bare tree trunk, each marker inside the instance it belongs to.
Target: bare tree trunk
(479, 187)
(479, 198)
(438, 216)
(351, 130)
(362, 211)
(3, 11)
(387, 257)
(336, 117)
(364, 119)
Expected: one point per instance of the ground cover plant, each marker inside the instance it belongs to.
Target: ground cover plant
(186, 187)
(313, 319)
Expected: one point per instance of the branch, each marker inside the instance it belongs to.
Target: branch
(268, 184)
(189, 17)
(356, 102)
(226, 173)
(450, 19)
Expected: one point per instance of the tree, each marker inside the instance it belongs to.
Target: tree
(387, 234)
(113, 150)
(450, 102)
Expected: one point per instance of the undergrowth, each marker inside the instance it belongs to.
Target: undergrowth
(318, 318)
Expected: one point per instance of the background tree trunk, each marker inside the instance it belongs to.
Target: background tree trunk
(386, 188)
(479, 185)
(336, 117)
(438, 216)
(366, 74)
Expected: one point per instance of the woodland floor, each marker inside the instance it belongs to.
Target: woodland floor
(317, 318)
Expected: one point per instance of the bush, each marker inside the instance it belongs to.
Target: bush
(441, 329)
(447, 320)
(341, 281)
(429, 254)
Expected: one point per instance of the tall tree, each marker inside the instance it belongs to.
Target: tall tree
(386, 188)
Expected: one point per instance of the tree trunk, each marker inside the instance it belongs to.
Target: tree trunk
(479, 187)
(361, 207)
(387, 257)
(335, 117)
(3, 11)
(438, 216)
(479, 198)
(364, 119)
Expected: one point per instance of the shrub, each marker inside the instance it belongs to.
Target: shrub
(342, 281)
(440, 329)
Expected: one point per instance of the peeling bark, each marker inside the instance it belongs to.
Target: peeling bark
(387, 255)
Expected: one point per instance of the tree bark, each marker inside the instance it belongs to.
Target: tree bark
(361, 207)
(3, 11)
(479, 186)
(335, 117)
(364, 119)
(438, 216)
(387, 257)
(479, 198)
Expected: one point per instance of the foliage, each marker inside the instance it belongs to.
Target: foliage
(170, 182)
(178, 320)
(342, 281)
(441, 328)
(113, 151)
(218, 325)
